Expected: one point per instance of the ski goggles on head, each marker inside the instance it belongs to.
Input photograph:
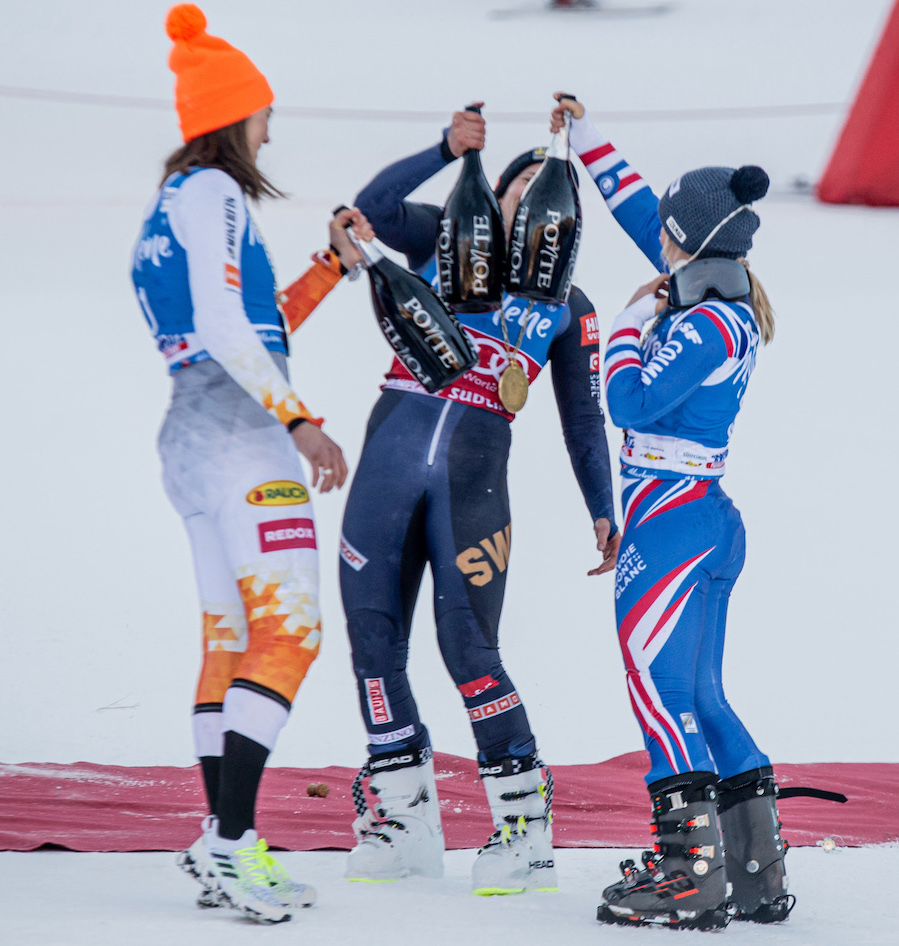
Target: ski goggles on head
(694, 283)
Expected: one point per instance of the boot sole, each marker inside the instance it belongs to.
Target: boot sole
(710, 920)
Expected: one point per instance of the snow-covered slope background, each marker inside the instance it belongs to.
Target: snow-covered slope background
(97, 601)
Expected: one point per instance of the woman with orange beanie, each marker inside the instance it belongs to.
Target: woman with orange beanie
(229, 448)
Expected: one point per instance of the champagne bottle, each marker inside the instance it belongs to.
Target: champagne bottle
(546, 231)
(471, 241)
(425, 335)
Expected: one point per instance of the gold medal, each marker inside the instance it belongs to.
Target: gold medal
(513, 382)
(513, 387)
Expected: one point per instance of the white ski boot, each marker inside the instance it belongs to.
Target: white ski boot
(519, 856)
(403, 835)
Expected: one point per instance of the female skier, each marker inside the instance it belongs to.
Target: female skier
(676, 391)
(431, 489)
(228, 449)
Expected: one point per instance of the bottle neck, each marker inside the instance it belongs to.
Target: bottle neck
(370, 253)
(472, 159)
(558, 146)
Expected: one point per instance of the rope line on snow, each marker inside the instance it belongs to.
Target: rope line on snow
(400, 115)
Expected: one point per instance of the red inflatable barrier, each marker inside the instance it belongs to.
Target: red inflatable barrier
(86, 807)
(864, 167)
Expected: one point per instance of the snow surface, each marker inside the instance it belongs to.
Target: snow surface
(97, 601)
(143, 900)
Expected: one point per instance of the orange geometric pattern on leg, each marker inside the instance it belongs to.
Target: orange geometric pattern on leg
(224, 644)
(284, 629)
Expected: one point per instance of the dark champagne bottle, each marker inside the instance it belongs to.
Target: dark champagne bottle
(471, 241)
(425, 335)
(546, 232)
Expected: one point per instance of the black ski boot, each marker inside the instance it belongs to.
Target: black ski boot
(683, 884)
(750, 826)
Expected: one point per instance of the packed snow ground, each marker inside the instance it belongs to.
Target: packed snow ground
(97, 602)
(143, 900)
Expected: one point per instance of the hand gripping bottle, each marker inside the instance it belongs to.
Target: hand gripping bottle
(471, 241)
(426, 337)
(546, 231)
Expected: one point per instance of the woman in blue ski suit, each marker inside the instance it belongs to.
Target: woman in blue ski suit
(676, 389)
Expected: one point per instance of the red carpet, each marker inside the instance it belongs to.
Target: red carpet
(85, 807)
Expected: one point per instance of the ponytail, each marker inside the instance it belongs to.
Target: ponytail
(758, 299)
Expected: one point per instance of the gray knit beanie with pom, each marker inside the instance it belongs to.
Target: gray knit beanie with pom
(700, 200)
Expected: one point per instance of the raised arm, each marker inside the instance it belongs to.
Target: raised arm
(404, 225)
(627, 195)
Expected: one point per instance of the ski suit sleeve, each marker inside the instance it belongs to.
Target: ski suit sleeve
(637, 393)
(300, 299)
(402, 224)
(574, 358)
(627, 195)
(209, 220)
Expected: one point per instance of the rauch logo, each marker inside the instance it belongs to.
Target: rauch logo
(278, 493)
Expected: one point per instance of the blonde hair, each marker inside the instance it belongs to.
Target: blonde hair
(758, 299)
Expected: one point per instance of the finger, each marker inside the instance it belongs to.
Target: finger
(315, 471)
(342, 471)
(327, 481)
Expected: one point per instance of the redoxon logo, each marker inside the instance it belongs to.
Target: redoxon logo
(395, 760)
(278, 493)
(286, 534)
(471, 562)
(675, 228)
(433, 335)
(378, 707)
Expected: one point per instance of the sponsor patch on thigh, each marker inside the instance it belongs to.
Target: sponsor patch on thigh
(286, 534)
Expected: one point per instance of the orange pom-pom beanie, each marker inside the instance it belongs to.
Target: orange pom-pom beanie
(215, 84)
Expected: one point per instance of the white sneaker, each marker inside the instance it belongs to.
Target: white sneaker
(251, 881)
(403, 835)
(519, 856)
(195, 862)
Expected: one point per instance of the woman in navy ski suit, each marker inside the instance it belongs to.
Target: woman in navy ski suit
(431, 489)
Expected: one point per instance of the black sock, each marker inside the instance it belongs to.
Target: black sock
(212, 773)
(241, 771)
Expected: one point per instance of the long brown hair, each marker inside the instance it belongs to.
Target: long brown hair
(226, 149)
(758, 299)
